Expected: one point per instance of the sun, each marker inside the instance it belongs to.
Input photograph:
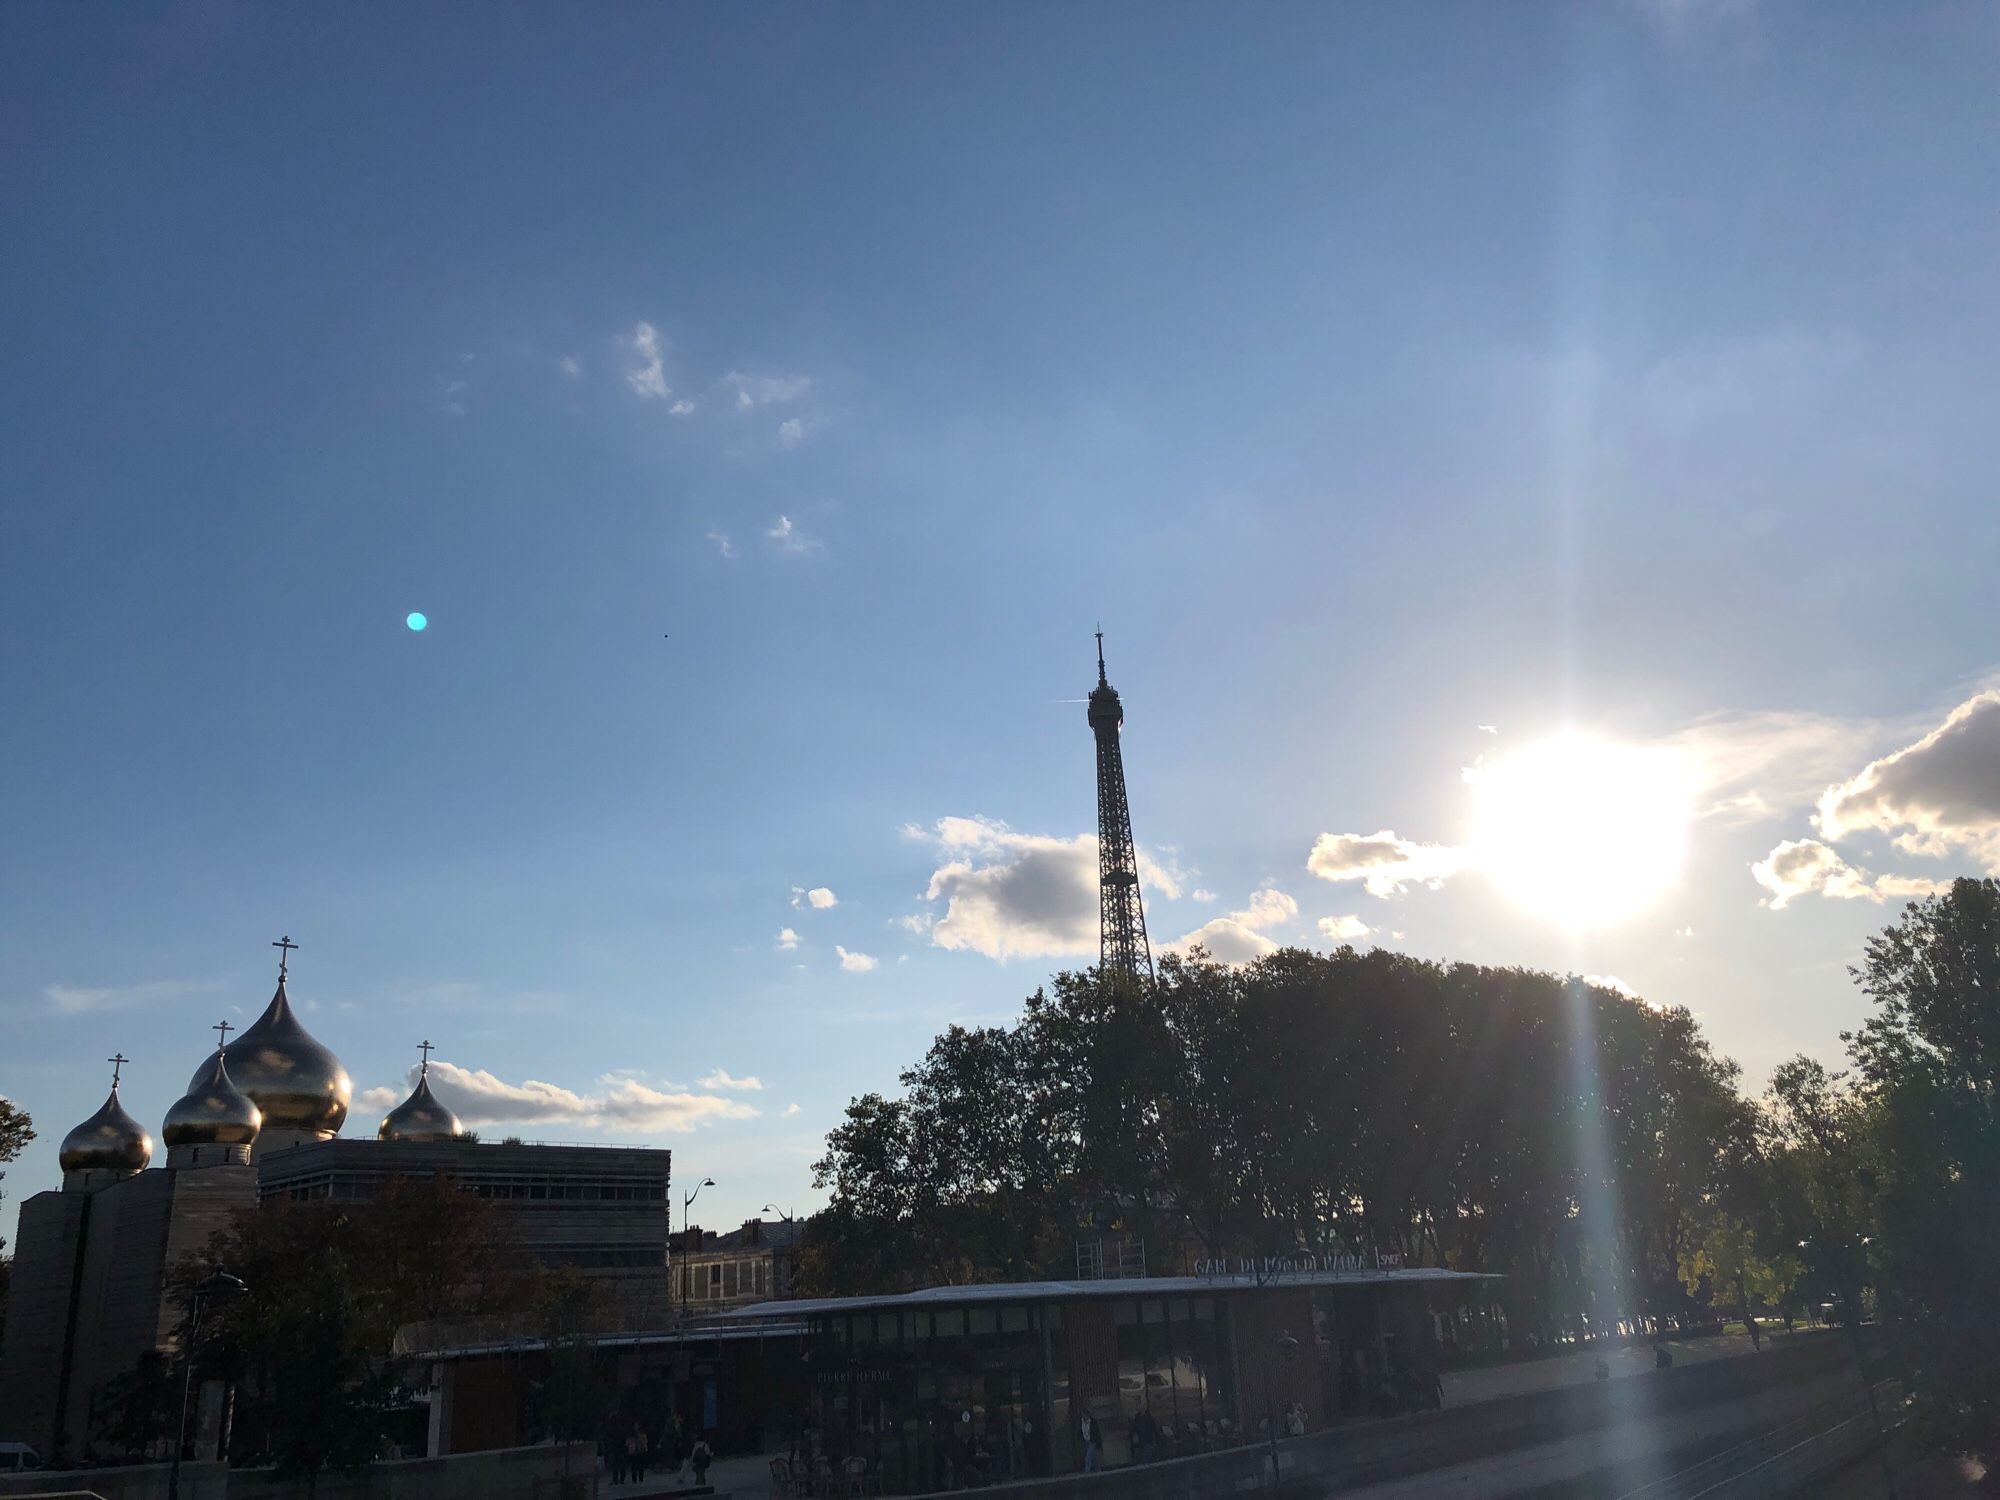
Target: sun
(1585, 832)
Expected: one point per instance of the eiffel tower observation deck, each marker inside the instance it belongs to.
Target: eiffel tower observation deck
(1122, 941)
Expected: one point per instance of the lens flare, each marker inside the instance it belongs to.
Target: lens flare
(416, 621)
(1583, 831)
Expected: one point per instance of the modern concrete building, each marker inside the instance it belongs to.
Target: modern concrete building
(601, 1210)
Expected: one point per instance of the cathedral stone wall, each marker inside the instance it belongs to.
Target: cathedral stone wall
(47, 1248)
(139, 1231)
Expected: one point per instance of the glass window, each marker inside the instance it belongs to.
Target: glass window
(982, 1320)
(1014, 1319)
(951, 1324)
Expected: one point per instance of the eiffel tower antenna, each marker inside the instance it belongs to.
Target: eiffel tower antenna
(1122, 941)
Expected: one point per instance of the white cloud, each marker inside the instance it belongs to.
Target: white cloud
(791, 432)
(681, 408)
(385, 1099)
(1939, 796)
(765, 390)
(787, 940)
(74, 1000)
(786, 537)
(1613, 983)
(1343, 929)
(1201, 895)
(623, 1104)
(1240, 937)
(819, 898)
(1019, 895)
(790, 1110)
(1800, 867)
(1754, 767)
(647, 378)
(854, 963)
(721, 1079)
(571, 366)
(722, 543)
(1383, 862)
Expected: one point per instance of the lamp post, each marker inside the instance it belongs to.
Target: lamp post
(687, 1202)
(218, 1283)
(1286, 1346)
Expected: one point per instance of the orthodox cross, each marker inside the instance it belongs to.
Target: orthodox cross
(117, 1066)
(286, 944)
(427, 1049)
(221, 1030)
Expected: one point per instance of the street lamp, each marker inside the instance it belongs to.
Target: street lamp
(687, 1202)
(218, 1283)
(1286, 1346)
(772, 1208)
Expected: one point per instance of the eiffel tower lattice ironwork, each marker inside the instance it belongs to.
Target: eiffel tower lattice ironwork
(1122, 941)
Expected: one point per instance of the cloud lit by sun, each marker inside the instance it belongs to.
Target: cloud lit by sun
(1582, 831)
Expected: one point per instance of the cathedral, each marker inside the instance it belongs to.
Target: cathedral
(261, 1119)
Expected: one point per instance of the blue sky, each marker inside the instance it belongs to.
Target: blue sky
(764, 403)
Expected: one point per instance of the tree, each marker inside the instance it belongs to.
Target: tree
(132, 1412)
(574, 1397)
(1929, 1060)
(16, 1130)
(313, 1343)
(1572, 1138)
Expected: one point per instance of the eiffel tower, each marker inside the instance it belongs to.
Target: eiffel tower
(1122, 941)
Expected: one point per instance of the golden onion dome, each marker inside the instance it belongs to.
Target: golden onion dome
(296, 1083)
(421, 1117)
(109, 1141)
(215, 1112)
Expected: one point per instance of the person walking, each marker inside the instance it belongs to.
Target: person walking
(614, 1452)
(635, 1452)
(1093, 1448)
(701, 1456)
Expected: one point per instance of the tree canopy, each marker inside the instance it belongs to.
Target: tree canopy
(1562, 1133)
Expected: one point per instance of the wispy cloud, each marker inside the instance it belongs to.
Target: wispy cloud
(765, 390)
(571, 366)
(648, 377)
(819, 898)
(75, 1000)
(722, 1079)
(790, 1110)
(791, 432)
(785, 537)
(617, 1104)
(787, 940)
(722, 543)
(854, 963)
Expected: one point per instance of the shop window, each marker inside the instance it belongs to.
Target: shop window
(982, 1321)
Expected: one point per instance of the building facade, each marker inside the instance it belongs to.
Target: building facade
(600, 1210)
(961, 1385)
(714, 1272)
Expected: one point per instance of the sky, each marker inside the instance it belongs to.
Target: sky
(764, 404)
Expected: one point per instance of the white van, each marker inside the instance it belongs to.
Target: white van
(17, 1456)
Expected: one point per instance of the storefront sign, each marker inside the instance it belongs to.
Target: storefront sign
(854, 1376)
(1296, 1265)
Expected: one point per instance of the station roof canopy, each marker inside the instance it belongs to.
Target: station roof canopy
(980, 1293)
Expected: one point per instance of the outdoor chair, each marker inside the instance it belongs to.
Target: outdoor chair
(855, 1478)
